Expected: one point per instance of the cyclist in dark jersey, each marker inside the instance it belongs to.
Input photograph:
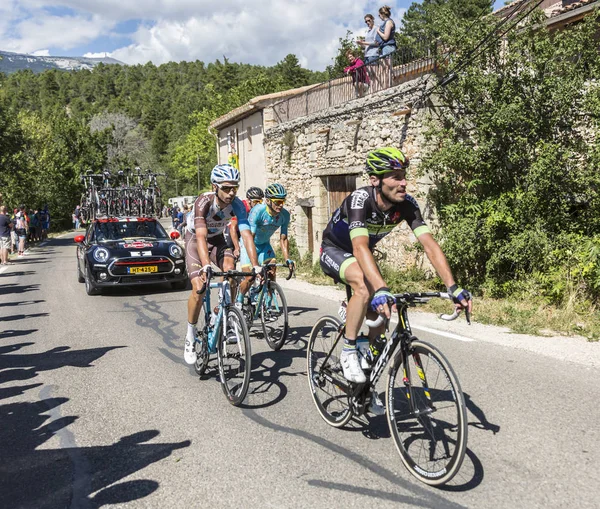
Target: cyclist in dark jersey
(364, 218)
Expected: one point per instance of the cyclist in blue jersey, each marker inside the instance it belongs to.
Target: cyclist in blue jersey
(265, 219)
(364, 218)
(205, 242)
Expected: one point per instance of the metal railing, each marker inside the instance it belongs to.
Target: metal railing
(404, 64)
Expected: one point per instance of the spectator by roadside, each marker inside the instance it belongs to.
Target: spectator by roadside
(13, 234)
(5, 240)
(34, 226)
(76, 217)
(21, 227)
(45, 223)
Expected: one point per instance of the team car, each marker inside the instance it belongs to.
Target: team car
(124, 251)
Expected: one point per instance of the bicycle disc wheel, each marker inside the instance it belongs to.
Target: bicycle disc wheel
(274, 316)
(331, 401)
(427, 414)
(235, 359)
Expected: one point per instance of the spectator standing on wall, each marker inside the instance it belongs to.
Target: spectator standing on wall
(5, 240)
(370, 43)
(386, 31)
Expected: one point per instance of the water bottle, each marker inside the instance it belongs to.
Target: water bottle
(378, 345)
(213, 316)
(254, 293)
(364, 352)
(343, 311)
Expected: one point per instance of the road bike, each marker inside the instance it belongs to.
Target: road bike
(426, 410)
(267, 302)
(225, 334)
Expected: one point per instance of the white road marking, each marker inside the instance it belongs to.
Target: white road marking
(3, 269)
(441, 333)
(448, 335)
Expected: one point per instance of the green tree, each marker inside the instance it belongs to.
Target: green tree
(516, 186)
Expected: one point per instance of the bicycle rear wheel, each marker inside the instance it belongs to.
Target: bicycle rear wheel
(427, 414)
(274, 316)
(324, 370)
(234, 355)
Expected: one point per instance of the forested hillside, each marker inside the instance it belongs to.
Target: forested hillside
(55, 125)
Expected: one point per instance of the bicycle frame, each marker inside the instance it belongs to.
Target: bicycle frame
(401, 337)
(263, 289)
(212, 332)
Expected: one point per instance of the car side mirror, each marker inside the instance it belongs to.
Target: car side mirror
(79, 238)
(175, 235)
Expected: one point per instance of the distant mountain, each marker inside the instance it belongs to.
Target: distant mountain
(13, 62)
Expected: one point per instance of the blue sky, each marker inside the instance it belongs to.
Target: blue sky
(134, 31)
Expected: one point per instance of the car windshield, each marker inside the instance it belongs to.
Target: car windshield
(124, 230)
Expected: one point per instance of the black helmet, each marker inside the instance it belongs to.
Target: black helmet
(255, 193)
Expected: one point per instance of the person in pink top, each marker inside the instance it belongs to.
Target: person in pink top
(357, 69)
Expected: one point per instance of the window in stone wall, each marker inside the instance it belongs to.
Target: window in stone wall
(338, 187)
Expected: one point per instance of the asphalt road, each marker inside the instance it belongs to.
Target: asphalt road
(97, 408)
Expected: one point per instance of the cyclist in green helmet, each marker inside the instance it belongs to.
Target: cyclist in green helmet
(365, 217)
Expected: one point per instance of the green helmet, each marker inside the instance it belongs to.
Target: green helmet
(276, 191)
(385, 160)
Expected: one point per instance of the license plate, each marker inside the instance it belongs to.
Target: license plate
(142, 270)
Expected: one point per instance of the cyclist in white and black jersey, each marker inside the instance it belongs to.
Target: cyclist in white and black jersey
(364, 218)
(205, 241)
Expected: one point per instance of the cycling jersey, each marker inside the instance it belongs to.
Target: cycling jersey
(208, 214)
(263, 225)
(359, 215)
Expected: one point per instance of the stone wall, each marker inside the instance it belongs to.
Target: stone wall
(315, 155)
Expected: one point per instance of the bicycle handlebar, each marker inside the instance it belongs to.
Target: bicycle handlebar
(419, 298)
(210, 273)
(291, 270)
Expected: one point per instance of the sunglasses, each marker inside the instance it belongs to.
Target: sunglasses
(256, 202)
(367, 21)
(277, 202)
(228, 189)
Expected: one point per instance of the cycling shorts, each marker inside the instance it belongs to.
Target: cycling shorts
(334, 261)
(264, 253)
(218, 250)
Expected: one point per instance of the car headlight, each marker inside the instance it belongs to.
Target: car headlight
(175, 251)
(100, 254)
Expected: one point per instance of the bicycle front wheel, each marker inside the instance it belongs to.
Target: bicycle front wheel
(427, 414)
(274, 316)
(234, 356)
(325, 372)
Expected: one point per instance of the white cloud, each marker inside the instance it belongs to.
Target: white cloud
(252, 31)
(41, 53)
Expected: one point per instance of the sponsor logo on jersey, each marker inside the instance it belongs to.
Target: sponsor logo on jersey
(355, 224)
(359, 197)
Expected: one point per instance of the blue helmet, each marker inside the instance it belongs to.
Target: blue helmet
(276, 191)
(224, 173)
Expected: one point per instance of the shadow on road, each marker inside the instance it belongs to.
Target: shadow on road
(18, 273)
(20, 303)
(10, 288)
(68, 476)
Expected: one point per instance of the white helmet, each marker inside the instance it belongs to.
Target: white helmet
(224, 173)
